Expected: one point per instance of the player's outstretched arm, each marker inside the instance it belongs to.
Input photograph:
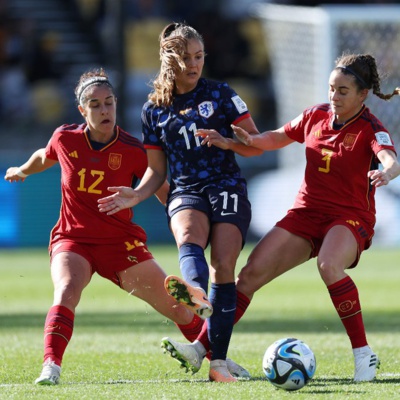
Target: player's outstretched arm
(269, 140)
(37, 163)
(213, 138)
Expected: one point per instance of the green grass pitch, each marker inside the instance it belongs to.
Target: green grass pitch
(115, 350)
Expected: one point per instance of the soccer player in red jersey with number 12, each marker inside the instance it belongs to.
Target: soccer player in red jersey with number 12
(94, 155)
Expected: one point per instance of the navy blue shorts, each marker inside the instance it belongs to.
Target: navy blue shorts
(220, 205)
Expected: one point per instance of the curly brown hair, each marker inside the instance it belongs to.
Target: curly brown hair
(173, 43)
(365, 72)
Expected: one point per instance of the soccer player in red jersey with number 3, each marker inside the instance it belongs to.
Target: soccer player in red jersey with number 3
(333, 215)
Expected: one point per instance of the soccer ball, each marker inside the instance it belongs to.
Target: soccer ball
(289, 364)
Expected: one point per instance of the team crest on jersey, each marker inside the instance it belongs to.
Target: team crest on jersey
(349, 140)
(114, 161)
(206, 109)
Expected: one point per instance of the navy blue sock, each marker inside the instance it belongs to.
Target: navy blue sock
(220, 324)
(193, 265)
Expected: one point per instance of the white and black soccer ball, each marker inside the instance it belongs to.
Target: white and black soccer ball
(289, 364)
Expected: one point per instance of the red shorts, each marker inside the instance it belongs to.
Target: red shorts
(313, 226)
(106, 259)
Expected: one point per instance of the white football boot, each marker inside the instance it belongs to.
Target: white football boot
(186, 354)
(50, 374)
(191, 355)
(366, 362)
(237, 370)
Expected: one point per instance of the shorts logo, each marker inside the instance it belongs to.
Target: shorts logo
(346, 306)
(206, 109)
(360, 229)
(223, 213)
(351, 222)
(114, 161)
(132, 259)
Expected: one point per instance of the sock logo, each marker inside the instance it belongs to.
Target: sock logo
(346, 306)
(232, 309)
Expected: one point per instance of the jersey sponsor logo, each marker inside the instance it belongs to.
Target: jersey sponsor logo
(349, 140)
(73, 154)
(114, 161)
(383, 138)
(240, 105)
(206, 109)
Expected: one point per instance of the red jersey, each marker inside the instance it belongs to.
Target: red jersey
(338, 160)
(85, 175)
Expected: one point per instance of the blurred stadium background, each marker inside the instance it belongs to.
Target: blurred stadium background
(276, 54)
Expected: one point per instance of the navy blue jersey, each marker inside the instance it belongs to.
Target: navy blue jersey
(211, 105)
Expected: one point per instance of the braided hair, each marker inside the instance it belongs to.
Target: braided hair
(365, 72)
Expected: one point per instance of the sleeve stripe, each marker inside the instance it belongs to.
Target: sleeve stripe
(152, 147)
(241, 118)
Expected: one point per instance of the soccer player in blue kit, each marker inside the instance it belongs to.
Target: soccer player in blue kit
(184, 119)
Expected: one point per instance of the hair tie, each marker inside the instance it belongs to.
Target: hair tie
(92, 81)
(358, 77)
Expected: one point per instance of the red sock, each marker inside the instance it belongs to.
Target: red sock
(192, 329)
(242, 302)
(344, 295)
(57, 332)
(203, 337)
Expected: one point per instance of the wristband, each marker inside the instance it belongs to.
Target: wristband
(20, 173)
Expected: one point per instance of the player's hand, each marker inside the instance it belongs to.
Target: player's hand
(378, 178)
(11, 175)
(123, 197)
(212, 138)
(242, 135)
